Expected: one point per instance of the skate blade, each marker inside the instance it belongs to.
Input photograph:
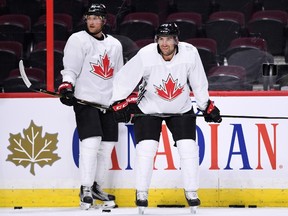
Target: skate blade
(141, 210)
(105, 205)
(85, 206)
(193, 209)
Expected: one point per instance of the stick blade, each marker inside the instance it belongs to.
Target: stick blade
(23, 74)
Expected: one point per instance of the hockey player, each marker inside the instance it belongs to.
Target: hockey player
(169, 69)
(91, 59)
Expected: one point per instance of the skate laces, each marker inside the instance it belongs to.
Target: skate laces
(191, 195)
(142, 195)
(86, 191)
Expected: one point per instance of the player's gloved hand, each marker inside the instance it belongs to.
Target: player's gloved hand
(66, 89)
(212, 113)
(121, 111)
(132, 102)
(132, 98)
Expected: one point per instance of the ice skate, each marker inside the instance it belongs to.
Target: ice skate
(107, 199)
(141, 201)
(193, 200)
(86, 199)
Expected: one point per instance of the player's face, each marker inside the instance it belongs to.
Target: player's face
(95, 24)
(167, 46)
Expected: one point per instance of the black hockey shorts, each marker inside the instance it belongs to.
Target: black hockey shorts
(93, 122)
(181, 127)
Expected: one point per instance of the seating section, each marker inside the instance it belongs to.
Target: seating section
(159, 7)
(247, 7)
(74, 8)
(16, 27)
(252, 60)
(246, 43)
(223, 27)
(270, 25)
(228, 78)
(139, 25)
(143, 42)
(190, 24)
(203, 7)
(31, 8)
(37, 58)
(224, 32)
(14, 82)
(63, 26)
(10, 54)
(275, 5)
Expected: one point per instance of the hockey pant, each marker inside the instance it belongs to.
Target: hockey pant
(189, 161)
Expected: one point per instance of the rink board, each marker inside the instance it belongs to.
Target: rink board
(242, 161)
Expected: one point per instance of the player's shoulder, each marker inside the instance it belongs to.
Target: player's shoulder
(80, 35)
(113, 40)
(149, 48)
(187, 47)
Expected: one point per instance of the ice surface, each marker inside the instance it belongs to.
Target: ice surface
(149, 211)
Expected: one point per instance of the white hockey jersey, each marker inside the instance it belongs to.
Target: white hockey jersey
(165, 85)
(90, 65)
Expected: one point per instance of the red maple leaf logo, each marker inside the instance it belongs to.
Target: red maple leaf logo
(170, 90)
(103, 69)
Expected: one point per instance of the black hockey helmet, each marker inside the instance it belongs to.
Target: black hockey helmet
(168, 29)
(97, 10)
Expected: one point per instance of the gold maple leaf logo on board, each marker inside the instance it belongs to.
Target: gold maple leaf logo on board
(103, 69)
(170, 90)
(33, 148)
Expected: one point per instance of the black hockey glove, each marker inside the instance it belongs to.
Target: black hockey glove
(66, 90)
(212, 113)
(121, 111)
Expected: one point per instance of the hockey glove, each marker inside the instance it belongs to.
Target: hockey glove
(132, 102)
(66, 90)
(132, 98)
(212, 113)
(121, 111)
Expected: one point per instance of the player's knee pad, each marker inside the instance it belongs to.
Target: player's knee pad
(147, 148)
(90, 145)
(187, 148)
(106, 148)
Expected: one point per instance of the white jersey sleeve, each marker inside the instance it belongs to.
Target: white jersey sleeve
(127, 79)
(73, 59)
(198, 81)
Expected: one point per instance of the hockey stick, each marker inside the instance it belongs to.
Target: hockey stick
(55, 94)
(165, 115)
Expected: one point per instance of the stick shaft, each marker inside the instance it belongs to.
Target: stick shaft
(55, 94)
(163, 115)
